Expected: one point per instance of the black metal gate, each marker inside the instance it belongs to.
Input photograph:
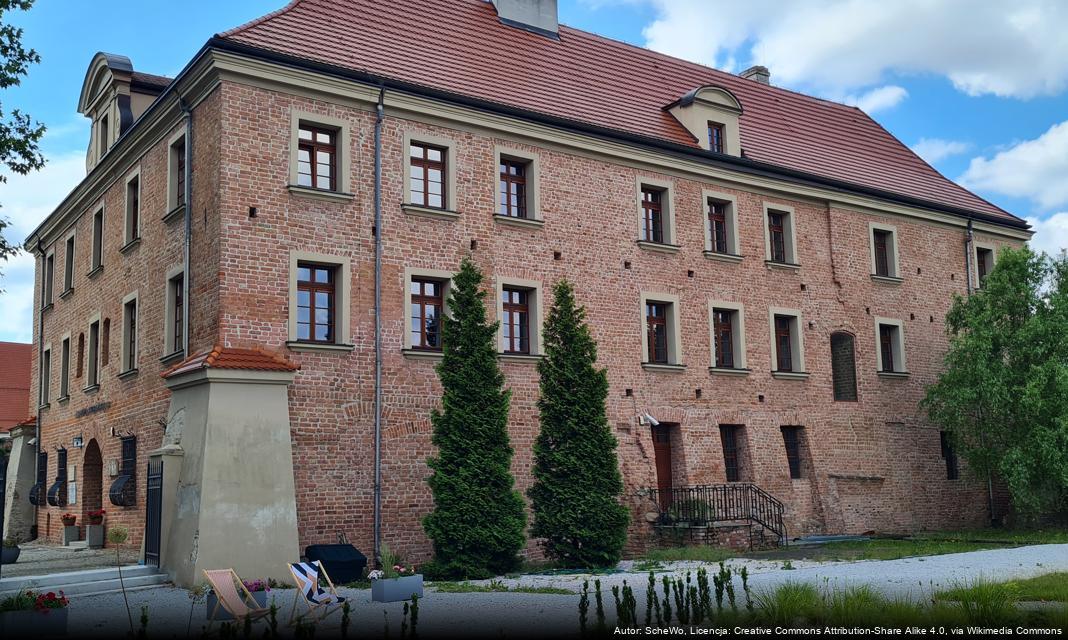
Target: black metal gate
(153, 511)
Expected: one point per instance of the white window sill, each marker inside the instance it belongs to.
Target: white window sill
(427, 212)
(129, 373)
(785, 266)
(658, 247)
(319, 194)
(422, 354)
(126, 248)
(174, 213)
(667, 368)
(723, 257)
(723, 371)
(172, 357)
(63, 399)
(524, 223)
(93, 388)
(893, 375)
(790, 375)
(68, 292)
(297, 345)
(520, 357)
(95, 272)
(886, 279)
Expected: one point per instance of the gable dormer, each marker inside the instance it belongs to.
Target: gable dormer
(113, 96)
(711, 114)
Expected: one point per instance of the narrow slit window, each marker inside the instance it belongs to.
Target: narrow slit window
(728, 435)
(133, 209)
(791, 437)
(98, 239)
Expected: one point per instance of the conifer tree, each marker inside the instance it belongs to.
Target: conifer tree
(477, 525)
(577, 484)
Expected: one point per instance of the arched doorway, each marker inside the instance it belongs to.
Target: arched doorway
(92, 479)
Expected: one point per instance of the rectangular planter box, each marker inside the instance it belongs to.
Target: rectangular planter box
(397, 589)
(94, 535)
(259, 596)
(71, 534)
(30, 624)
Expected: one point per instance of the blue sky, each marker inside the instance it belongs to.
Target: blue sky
(978, 89)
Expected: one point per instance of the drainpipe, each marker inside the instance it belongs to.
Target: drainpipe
(40, 358)
(379, 115)
(187, 197)
(968, 252)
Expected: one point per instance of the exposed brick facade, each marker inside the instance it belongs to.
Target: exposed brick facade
(871, 465)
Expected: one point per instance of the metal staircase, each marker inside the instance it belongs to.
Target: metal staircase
(718, 504)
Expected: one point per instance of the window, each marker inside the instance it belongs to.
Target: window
(132, 230)
(652, 214)
(316, 292)
(174, 336)
(426, 186)
(45, 376)
(68, 266)
(317, 158)
(715, 137)
(890, 351)
(723, 327)
(64, 371)
(123, 491)
(516, 320)
(729, 435)
(427, 305)
(93, 375)
(47, 279)
(787, 347)
(98, 239)
(843, 367)
(105, 343)
(949, 455)
(884, 259)
(176, 174)
(727, 336)
(721, 225)
(81, 355)
(105, 136)
(780, 239)
(791, 437)
(984, 264)
(129, 334)
(513, 191)
(656, 331)
(717, 226)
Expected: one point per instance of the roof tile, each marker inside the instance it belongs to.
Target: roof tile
(219, 357)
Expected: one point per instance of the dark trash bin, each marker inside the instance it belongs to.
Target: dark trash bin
(343, 562)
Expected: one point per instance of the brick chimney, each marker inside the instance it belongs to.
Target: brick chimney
(757, 73)
(539, 16)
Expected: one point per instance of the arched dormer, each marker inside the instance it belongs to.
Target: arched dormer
(711, 114)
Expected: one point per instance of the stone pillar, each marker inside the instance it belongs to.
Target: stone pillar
(233, 503)
(171, 456)
(21, 474)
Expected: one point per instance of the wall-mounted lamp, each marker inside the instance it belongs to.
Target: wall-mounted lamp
(76, 442)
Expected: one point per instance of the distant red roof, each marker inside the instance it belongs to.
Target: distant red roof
(256, 359)
(14, 383)
(460, 46)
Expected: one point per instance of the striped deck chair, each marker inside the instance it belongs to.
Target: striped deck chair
(239, 604)
(320, 602)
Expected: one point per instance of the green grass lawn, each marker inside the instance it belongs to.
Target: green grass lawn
(1051, 587)
(494, 586)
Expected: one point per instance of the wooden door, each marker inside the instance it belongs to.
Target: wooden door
(662, 454)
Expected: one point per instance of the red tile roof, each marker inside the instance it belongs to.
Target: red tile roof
(459, 46)
(255, 359)
(14, 383)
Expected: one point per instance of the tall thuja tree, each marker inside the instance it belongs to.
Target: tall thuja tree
(577, 485)
(478, 519)
(1003, 396)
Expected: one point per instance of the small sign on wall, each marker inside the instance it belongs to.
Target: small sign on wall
(72, 492)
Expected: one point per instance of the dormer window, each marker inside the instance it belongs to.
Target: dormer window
(715, 137)
(710, 114)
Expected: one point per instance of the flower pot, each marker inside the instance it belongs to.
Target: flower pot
(94, 536)
(222, 614)
(71, 534)
(397, 589)
(10, 555)
(33, 623)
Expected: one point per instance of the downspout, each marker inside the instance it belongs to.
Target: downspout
(187, 197)
(379, 115)
(40, 358)
(969, 238)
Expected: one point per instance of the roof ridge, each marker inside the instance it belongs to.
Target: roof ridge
(259, 20)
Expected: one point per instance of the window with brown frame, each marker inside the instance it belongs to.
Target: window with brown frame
(791, 437)
(428, 304)
(717, 226)
(843, 367)
(715, 137)
(777, 235)
(657, 331)
(887, 338)
(883, 245)
(652, 214)
(315, 302)
(729, 435)
(784, 343)
(426, 186)
(129, 316)
(984, 262)
(177, 284)
(513, 192)
(179, 177)
(516, 323)
(317, 158)
(723, 330)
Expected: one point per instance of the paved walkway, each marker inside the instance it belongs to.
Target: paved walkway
(171, 611)
(41, 559)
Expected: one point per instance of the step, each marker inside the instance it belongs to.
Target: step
(78, 544)
(53, 581)
(101, 586)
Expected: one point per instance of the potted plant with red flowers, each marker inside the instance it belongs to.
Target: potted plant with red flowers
(71, 532)
(32, 614)
(394, 581)
(94, 531)
(69, 519)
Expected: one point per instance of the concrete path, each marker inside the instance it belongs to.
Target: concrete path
(170, 610)
(40, 559)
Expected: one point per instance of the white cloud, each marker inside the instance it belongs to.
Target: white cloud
(934, 149)
(26, 201)
(1035, 169)
(1051, 234)
(877, 99)
(1004, 49)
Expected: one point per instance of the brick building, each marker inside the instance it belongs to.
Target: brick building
(766, 275)
(14, 383)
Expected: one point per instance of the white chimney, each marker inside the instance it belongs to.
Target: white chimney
(538, 16)
(757, 73)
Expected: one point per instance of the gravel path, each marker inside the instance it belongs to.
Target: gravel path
(529, 615)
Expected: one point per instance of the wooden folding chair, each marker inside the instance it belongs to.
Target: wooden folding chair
(309, 576)
(239, 604)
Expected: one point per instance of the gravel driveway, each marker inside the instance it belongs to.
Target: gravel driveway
(523, 614)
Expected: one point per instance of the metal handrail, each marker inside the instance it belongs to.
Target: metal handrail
(704, 505)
